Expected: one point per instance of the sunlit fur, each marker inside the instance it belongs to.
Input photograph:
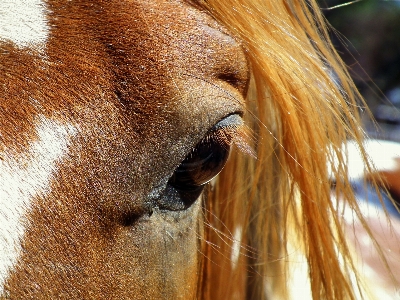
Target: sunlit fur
(269, 219)
(303, 106)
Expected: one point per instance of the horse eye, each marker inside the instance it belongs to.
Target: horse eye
(202, 164)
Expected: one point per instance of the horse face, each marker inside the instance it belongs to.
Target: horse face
(99, 184)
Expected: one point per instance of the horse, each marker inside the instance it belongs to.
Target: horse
(117, 116)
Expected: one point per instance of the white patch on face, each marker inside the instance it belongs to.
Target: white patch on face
(236, 245)
(20, 182)
(23, 22)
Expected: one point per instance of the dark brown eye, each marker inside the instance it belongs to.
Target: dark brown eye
(201, 165)
(205, 161)
(209, 156)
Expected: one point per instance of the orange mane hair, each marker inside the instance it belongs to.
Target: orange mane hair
(302, 107)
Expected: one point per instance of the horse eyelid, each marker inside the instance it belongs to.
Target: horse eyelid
(244, 140)
(232, 130)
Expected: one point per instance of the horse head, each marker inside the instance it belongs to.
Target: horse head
(114, 116)
(113, 121)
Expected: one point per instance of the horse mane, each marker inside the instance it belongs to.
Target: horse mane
(267, 214)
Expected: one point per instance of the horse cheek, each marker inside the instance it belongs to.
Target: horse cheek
(157, 264)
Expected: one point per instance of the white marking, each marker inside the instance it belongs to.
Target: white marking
(236, 245)
(20, 182)
(382, 155)
(24, 22)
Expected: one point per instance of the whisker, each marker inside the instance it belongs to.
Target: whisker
(230, 236)
(340, 5)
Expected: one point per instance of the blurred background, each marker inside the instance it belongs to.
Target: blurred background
(367, 36)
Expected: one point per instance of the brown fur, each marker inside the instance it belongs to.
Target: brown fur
(142, 82)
